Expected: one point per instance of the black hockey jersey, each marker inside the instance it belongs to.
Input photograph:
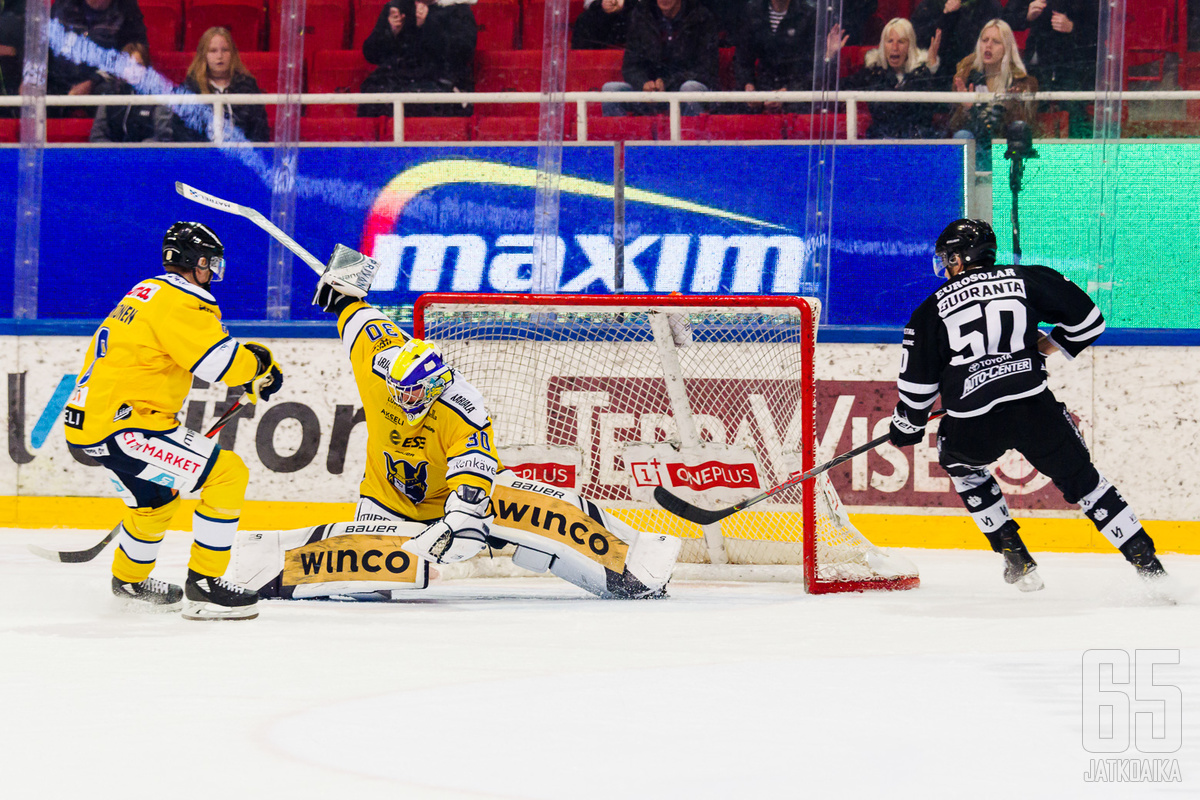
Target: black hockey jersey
(975, 340)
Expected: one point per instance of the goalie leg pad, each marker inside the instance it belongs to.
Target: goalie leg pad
(589, 548)
(342, 558)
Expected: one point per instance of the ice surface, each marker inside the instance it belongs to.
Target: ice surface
(531, 689)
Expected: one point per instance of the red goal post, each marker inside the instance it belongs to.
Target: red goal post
(713, 397)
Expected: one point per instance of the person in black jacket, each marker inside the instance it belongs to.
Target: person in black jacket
(132, 123)
(12, 46)
(960, 22)
(975, 341)
(775, 53)
(108, 23)
(897, 65)
(602, 24)
(420, 47)
(1061, 49)
(218, 69)
(671, 47)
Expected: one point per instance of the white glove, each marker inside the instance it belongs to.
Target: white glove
(462, 533)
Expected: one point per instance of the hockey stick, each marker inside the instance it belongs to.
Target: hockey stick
(205, 199)
(81, 556)
(703, 516)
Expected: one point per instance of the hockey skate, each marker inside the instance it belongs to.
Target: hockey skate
(1021, 569)
(217, 598)
(148, 595)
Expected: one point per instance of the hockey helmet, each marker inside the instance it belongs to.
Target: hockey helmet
(191, 245)
(417, 378)
(971, 239)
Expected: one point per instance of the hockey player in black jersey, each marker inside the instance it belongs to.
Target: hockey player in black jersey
(975, 342)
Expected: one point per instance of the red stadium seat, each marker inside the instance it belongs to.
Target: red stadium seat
(339, 129)
(803, 126)
(10, 130)
(244, 19)
(1147, 41)
(732, 127)
(533, 22)
(498, 25)
(366, 14)
(884, 11)
(326, 25)
(851, 59)
(1054, 125)
(336, 71)
(428, 129)
(512, 129)
(164, 28)
(725, 70)
(173, 66)
(507, 71)
(71, 131)
(589, 70)
(265, 69)
(625, 129)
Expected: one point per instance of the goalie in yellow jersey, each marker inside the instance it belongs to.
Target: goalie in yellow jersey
(433, 484)
(136, 376)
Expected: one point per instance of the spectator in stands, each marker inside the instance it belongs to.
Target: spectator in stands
(898, 65)
(12, 45)
(602, 24)
(421, 47)
(218, 69)
(774, 47)
(108, 23)
(130, 123)
(996, 66)
(960, 22)
(671, 47)
(1061, 48)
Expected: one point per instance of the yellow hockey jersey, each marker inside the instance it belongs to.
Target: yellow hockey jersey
(412, 469)
(138, 369)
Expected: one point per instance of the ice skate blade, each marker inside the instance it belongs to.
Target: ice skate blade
(204, 612)
(1030, 582)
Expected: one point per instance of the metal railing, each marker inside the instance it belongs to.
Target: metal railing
(581, 100)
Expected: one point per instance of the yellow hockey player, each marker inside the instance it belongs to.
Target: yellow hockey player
(434, 487)
(136, 376)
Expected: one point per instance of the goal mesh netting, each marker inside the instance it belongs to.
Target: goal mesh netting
(710, 397)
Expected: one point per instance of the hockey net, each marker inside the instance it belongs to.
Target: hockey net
(711, 397)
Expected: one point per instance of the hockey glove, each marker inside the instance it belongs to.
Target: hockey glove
(462, 533)
(269, 379)
(347, 278)
(903, 433)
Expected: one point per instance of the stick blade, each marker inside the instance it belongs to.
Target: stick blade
(685, 510)
(41, 552)
(206, 199)
(74, 556)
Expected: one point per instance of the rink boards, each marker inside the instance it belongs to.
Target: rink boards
(1135, 408)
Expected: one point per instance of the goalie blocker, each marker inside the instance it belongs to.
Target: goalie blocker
(552, 529)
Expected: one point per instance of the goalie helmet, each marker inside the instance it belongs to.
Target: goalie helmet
(417, 379)
(971, 239)
(191, 245)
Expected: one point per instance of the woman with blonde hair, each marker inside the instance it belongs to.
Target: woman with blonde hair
(898, 65)
(218, 69)
(995, 66)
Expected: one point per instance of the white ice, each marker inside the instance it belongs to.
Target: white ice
(531, 689)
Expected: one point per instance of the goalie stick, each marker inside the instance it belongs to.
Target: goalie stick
(81, 556)
(704, 516)
(206, 199)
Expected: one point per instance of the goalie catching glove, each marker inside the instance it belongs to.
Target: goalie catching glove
(462, 533)
(347, 278)
(269, 379)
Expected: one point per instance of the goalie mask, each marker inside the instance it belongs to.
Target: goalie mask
(972, 239)
(417, 379)
(191, 245)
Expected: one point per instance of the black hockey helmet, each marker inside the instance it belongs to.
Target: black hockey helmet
(972, 239)
(191, 245)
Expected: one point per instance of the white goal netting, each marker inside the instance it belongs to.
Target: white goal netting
(710, 397)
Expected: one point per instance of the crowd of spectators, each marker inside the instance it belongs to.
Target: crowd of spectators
(668, 45)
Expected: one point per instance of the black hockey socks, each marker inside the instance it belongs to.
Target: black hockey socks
(1111, 515)
(981, 495)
